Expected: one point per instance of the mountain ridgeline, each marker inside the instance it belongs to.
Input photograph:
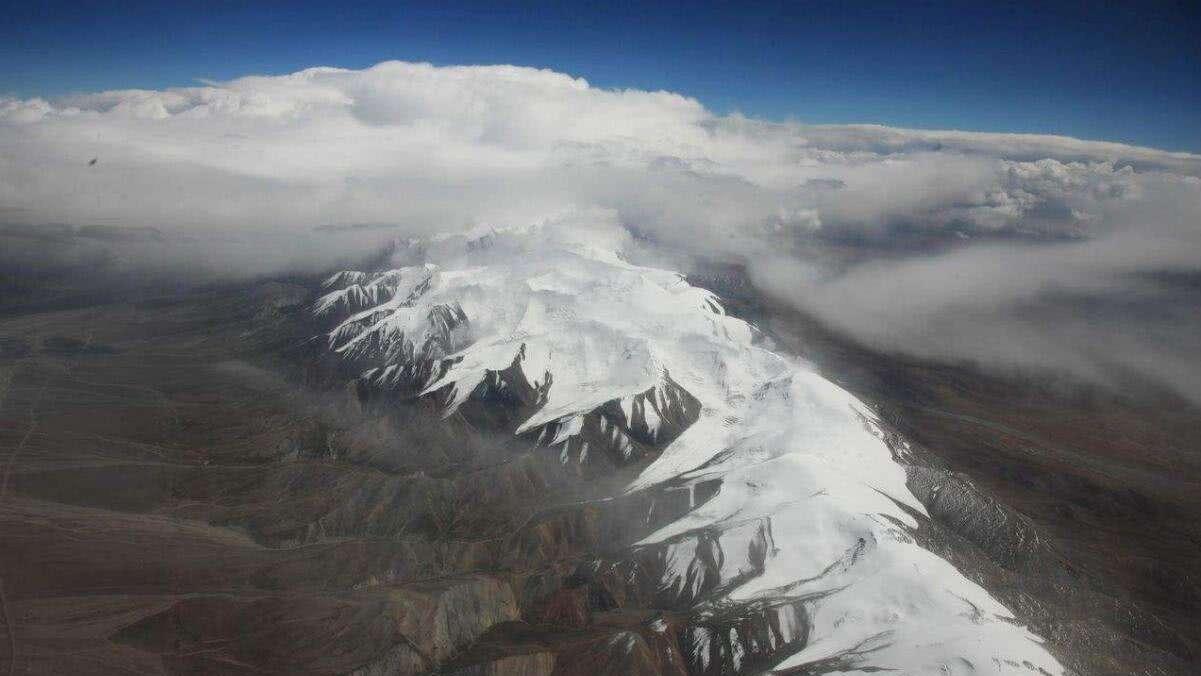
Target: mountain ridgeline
(729, 510)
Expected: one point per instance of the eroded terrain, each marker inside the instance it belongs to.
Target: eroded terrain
(188, 487)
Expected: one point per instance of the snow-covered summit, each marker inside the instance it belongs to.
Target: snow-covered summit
(635, 363)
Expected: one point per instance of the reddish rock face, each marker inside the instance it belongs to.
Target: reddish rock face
(567, 608)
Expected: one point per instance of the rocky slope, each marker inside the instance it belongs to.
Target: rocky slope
(512, 453)
(790, 545)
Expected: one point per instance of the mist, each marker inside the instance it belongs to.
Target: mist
(1013, 251)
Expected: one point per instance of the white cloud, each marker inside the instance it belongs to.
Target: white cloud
(432, 149)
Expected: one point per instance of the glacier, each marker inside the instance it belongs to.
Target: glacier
(812, 518)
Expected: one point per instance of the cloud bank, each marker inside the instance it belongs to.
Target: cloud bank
(1014, 250)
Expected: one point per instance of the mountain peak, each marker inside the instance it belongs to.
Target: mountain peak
(610, 359)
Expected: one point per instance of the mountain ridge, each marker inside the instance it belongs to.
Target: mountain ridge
(793, 455)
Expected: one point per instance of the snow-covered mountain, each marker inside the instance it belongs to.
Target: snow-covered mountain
(618, 364)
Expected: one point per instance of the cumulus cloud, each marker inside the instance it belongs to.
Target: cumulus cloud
(995, 247)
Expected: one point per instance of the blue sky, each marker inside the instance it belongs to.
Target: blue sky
(1129, 72)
